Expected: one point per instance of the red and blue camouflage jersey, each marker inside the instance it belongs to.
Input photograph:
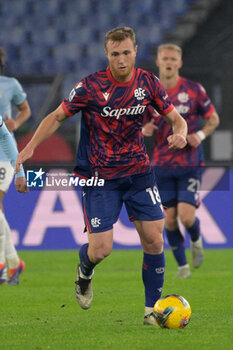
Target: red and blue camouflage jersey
(111, 143)
(191, 101)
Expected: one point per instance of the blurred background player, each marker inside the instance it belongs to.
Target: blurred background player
(11, 93)
(179, 171)
(8, 146)
(8, 252)
(111, 147)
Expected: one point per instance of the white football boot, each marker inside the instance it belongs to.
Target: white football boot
(149, 318)
(197, 252)
(83, 290)
(183, 272)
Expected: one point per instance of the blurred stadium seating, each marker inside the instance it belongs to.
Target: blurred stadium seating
(50, 37)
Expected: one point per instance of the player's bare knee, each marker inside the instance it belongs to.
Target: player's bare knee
(97, 255)
(187, 221)
(154, 246)
(171, 223)
(171, 226)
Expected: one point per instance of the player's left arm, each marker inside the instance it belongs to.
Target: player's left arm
(47, 127)
(24, 112)
(179, 127)
(211, 124)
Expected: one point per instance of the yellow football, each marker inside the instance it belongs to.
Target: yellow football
(172, 311)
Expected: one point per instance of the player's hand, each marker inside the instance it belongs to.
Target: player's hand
(11, 124)
(24, 155)
(149, 128)
(20, 185)
(176, 141)
(194, 140)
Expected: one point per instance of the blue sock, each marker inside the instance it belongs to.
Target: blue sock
(176, 241)
(153, 277)
(194, 230)
(86, 265)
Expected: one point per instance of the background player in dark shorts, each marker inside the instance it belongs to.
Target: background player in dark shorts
(178, 172)
(111, 147)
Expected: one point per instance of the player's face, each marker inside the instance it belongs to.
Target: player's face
(121, 56)
(169, 62)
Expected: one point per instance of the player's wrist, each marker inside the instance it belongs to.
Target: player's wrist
(183, 136)
(201, 135)
(21, 172)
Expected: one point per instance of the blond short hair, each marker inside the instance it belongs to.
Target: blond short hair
(169, 46)
(120, 34)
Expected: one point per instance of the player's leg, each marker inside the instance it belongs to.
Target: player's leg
(145, 210)
(153, 268)
(187, 214)
(167, 184)
(176, 242)
(188, 198)
(91, 254)
(3, 267)
(15, 265)
(101, 210)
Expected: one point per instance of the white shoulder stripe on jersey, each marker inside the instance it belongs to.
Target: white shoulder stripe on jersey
(1, 121)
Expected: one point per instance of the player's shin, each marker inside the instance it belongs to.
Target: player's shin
(85, 264)
(2, 239)
(176, 242)
(153, 277)
(10, 251)
(194, 230)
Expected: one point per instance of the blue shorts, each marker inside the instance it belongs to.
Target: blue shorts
(178, 185)
(102, 205)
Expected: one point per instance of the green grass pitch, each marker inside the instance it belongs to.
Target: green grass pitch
(42, 313)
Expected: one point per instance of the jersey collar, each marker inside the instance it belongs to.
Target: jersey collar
(176, 87)
(118, 83)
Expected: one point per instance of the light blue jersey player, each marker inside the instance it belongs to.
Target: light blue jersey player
(11, 93)
(8, 147)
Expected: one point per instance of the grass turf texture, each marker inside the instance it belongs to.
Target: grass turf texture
(42, 313)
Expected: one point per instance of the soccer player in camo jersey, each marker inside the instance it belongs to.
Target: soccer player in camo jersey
(111, 147)
(179, 171)
(11, 93)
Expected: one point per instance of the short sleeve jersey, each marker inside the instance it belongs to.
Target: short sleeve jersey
(191, 101)
(111, 143)
(8, 146)
(11, 92)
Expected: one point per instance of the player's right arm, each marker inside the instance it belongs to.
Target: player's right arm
(23, 115)
(179, 127)
(46, 128)
(163, 106)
